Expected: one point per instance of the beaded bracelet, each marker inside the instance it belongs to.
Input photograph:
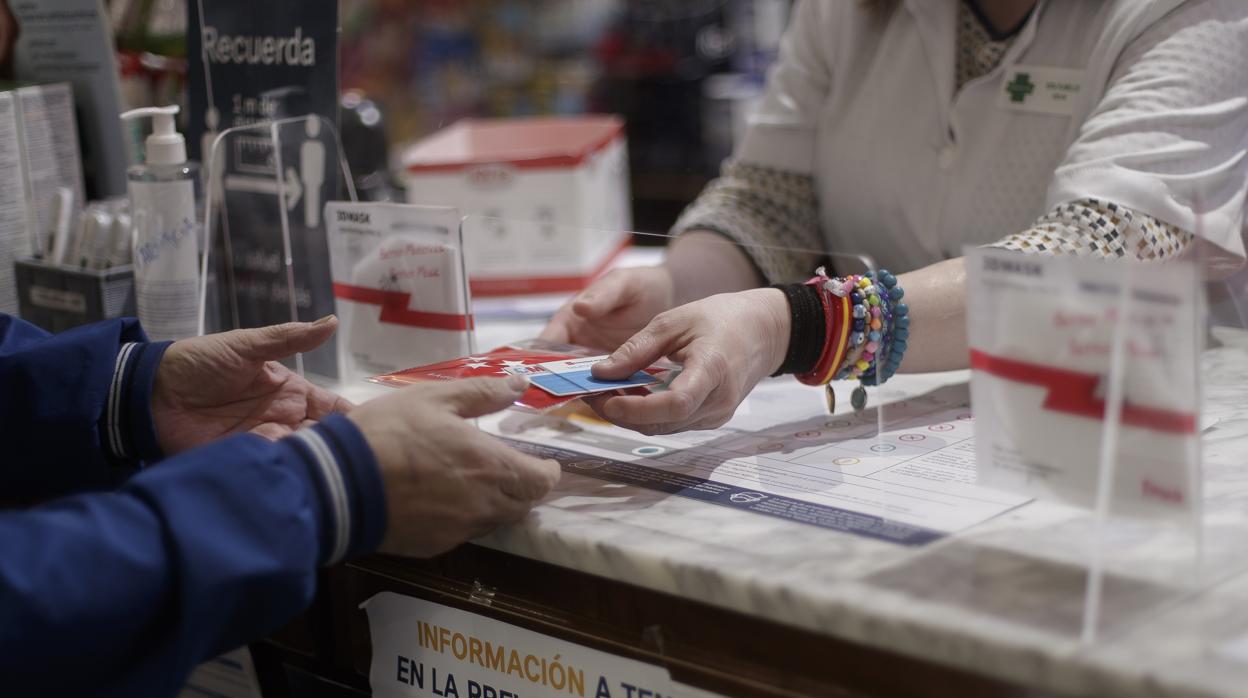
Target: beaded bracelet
(899, 327)
(864, 326)
(895, 332)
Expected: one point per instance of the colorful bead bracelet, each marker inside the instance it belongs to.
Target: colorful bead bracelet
(864, 326)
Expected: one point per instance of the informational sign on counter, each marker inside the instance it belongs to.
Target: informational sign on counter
(422, 648)
(783, 456)
(1047, 356)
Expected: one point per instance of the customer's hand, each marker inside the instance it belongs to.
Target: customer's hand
(727, 343)
(220, 384)
(446, 481)
(613, 308)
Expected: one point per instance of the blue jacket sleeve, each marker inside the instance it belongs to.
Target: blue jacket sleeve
(74, 407)
(124, 592)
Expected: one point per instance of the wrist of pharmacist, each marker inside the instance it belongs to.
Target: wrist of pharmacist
(853, 327)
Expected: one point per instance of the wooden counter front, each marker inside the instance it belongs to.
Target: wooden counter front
(701, 645)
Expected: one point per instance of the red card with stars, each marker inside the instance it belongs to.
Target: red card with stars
(500, 362)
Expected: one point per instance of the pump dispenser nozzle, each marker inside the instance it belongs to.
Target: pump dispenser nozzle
(165, 146)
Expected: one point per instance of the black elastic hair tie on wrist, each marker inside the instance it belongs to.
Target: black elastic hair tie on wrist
(806, 329)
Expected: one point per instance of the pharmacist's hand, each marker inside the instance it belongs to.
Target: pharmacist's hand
(446, 481)
(613, 308)
(727, 343)
(220, 384)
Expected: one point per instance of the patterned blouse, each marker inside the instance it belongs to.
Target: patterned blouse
(774, 213)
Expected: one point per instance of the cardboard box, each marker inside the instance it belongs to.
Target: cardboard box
(557, 185)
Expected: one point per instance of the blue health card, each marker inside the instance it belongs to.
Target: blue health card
(556, 385)
(578, 372)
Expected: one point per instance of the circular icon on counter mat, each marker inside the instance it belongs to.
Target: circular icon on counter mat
(587, 464)
(846, 461)
(883, 448)
(911, 437)
(747, 497)
(808, 434)
(648, 450)
(940, 427)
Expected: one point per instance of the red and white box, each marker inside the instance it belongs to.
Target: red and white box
(554, 190)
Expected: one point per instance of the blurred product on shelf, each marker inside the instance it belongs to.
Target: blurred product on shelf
(151, 51)
(40, 167)
(71, 41)
(82, 273)
(429, 63)
(367, 149)
(98, 235)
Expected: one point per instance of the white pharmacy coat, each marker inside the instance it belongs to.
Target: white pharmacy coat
(1140, 102)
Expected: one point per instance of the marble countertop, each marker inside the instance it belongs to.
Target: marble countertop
(1004, 598)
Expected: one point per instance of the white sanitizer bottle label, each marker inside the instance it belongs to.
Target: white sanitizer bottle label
(166, 259)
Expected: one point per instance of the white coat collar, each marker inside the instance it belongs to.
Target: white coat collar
(936, 23)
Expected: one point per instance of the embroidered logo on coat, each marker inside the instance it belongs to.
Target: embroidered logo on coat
(1021, 88)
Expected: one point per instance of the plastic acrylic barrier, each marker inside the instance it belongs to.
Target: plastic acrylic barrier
(266, 259)
(1086, 570)
(784, 454)
(1150, 514)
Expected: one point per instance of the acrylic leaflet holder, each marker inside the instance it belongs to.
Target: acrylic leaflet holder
(400, 286)
(266, 257)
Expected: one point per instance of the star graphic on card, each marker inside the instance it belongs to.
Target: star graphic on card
(476, 364)
(478, 358)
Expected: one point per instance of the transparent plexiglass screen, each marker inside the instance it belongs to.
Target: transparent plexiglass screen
(1156, 523)
(267, 260)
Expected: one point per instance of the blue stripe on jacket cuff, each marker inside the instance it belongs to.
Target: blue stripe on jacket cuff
(324, 513)
(140, 424)
(129, 429)
(368, 492)
(352, 494)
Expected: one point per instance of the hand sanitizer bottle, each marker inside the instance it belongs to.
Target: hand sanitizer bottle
(164, 204)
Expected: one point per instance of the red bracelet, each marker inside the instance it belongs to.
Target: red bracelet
(834, 315)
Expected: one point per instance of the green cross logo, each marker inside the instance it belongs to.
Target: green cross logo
(1020, 88)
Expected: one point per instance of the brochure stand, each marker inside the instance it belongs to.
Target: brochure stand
(400, 287)
(266, 259)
